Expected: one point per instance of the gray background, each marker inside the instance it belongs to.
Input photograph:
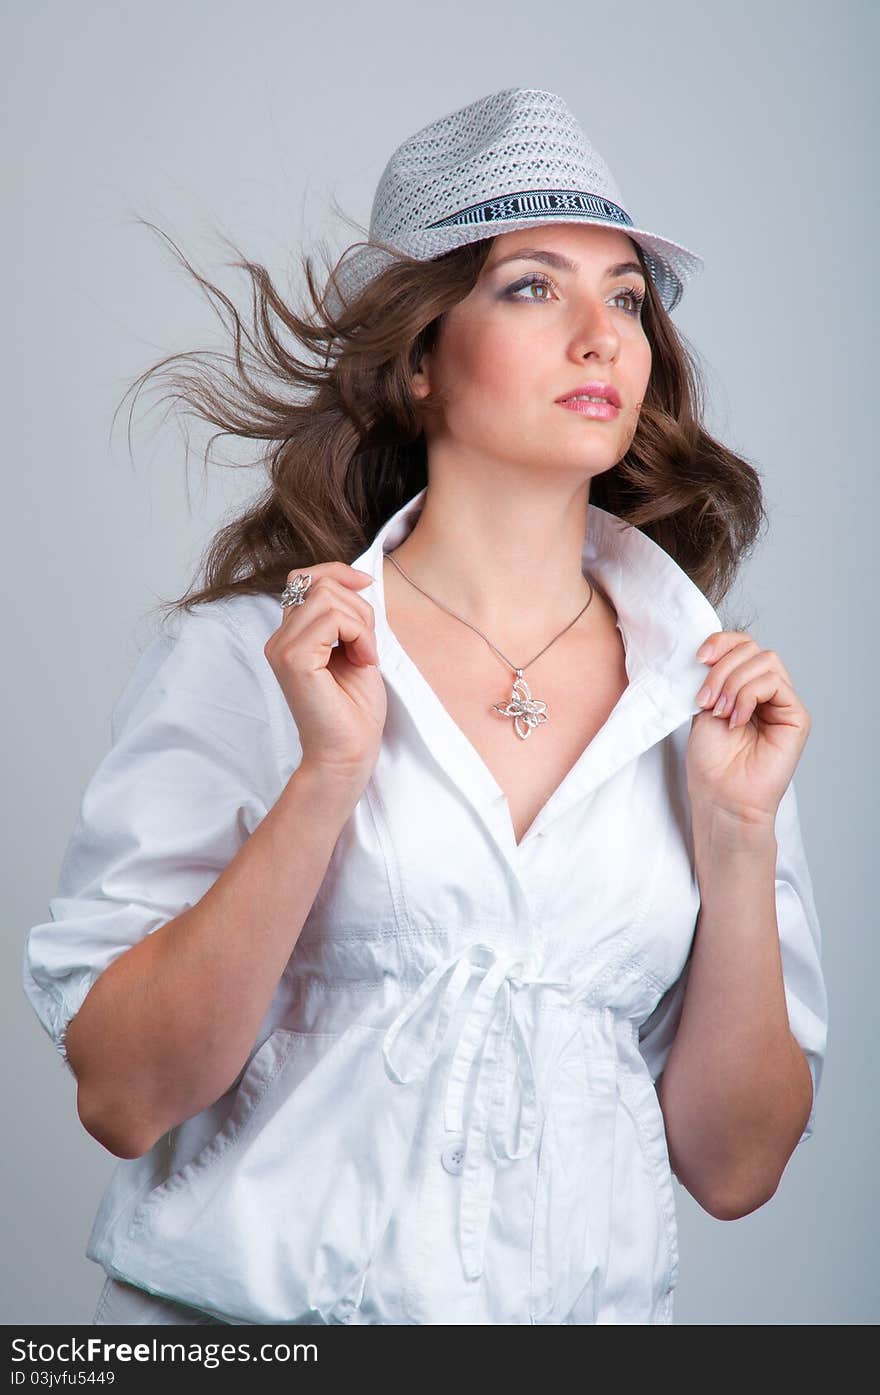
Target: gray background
(744, 131)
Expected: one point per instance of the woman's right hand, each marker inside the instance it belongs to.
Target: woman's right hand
(336, 695)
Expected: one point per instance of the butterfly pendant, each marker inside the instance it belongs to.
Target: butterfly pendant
(527, 712)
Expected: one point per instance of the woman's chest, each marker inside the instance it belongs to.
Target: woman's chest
(570, 692)
(571, 843)
(605, 890)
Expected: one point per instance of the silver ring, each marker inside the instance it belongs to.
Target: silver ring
(294, 592)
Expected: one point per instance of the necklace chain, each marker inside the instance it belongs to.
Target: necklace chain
(527, 712)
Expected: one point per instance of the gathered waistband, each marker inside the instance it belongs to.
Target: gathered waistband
(490, 1037)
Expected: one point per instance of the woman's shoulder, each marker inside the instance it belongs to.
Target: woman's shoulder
(207, 653)
(207, 664)
(253, 618)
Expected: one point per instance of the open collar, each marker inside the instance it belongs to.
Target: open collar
(662, 615)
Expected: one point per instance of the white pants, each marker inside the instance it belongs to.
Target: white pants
(128, 1305)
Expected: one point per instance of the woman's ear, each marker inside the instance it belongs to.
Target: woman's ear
(421, 383)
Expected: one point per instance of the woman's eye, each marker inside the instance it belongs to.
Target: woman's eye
(527, 283)
(635, 297)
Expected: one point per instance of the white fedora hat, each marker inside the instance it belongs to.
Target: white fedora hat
(515, 159)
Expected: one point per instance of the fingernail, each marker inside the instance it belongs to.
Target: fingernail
(704, 694)
(732, 721)
(720, 706)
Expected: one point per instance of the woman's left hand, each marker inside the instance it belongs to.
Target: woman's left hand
(743, 771)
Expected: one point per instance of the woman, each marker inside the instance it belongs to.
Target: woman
(375, 951)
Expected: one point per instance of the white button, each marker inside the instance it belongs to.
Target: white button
(452, 1157)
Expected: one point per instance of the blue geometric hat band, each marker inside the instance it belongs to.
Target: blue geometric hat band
(534, 203)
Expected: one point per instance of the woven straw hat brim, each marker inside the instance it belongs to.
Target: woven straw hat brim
(674, 265)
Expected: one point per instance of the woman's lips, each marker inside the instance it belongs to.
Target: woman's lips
(601, 411)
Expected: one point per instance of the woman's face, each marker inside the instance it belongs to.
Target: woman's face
(531, 331)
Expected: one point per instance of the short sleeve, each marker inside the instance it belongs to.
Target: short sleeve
(189, 775)
(800, 938)
(657, 1032)
(800, 941)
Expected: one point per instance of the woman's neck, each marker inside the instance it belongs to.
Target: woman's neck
(501, 562)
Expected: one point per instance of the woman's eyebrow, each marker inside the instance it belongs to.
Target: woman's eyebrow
(562, 263)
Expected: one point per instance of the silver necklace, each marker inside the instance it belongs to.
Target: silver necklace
(527, 712)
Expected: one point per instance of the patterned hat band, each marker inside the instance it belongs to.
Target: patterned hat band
(515, 159)
(535, 204)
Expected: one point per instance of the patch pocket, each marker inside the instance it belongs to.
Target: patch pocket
(277, 1218)
(643, 1260)
(572, 1214)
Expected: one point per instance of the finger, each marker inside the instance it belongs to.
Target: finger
(329, 585)
(349, 577)
(737, 682)
(340, 624)
(717, 644)
(777, 699)
(329, 618)
(728, 677)
(737, 651)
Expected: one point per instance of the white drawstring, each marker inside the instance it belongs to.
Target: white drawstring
(493, 1023)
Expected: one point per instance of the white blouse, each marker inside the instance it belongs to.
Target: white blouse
(449, 1114)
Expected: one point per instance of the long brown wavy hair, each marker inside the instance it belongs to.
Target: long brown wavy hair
(344, 438)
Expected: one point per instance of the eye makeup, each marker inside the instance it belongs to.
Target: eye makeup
(537, 278)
